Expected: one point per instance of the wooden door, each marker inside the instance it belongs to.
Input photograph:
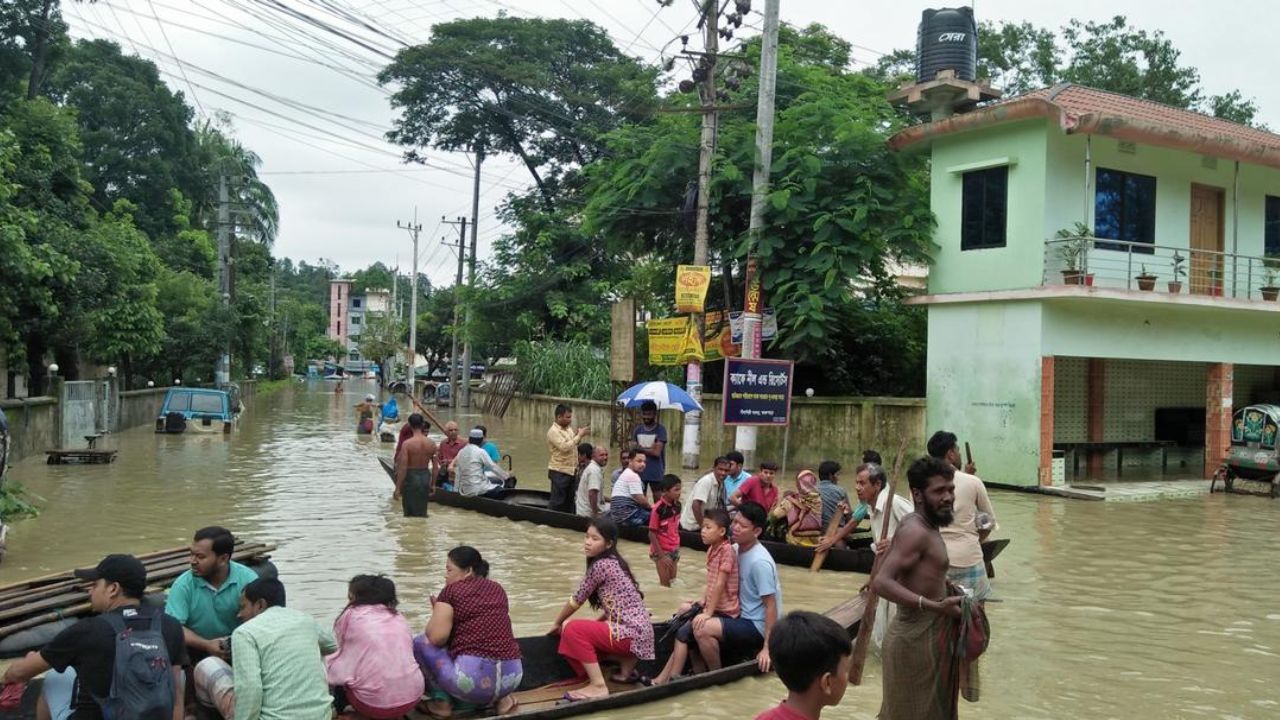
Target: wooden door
(1206, 240)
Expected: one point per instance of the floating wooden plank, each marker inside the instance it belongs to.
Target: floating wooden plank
(82, 455)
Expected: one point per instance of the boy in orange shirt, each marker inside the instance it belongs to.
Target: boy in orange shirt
(721, 596)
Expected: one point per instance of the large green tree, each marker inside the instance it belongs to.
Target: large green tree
(136, 132)
(542, 90)
(842, 210)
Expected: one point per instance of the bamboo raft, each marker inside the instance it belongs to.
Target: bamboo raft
(51, 600)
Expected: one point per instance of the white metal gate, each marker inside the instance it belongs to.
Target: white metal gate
(84, 407)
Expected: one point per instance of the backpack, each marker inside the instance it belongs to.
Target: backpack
(142, 677)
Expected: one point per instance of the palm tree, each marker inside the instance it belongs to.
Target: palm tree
(253, 205)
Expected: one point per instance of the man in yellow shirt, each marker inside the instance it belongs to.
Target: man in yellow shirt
(562, 441)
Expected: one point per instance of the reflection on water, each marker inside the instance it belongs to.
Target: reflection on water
(1109, 609)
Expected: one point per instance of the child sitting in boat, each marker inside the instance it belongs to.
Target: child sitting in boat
(374, 670)
(624, 632)
(720, 598)
(812, 654)
(664, 530)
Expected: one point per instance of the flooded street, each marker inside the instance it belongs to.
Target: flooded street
(1109, 610)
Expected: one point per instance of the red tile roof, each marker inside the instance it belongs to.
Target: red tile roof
(1085, 110)
(1079, 100)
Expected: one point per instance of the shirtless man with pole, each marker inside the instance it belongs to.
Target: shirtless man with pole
(416, 469)
(914, 577)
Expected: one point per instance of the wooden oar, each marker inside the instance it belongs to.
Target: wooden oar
(869, 611)
(430, 416)
(820, 557)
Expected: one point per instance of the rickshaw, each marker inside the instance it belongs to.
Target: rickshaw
(1253, 457)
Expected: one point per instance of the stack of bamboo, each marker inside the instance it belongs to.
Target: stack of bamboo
(61, 595)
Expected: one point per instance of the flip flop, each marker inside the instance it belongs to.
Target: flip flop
(634, 678)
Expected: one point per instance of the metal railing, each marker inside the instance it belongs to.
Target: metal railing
(1116, 264)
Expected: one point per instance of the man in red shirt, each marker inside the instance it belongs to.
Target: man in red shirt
(664, 530)
(448, 450)
(758, 488)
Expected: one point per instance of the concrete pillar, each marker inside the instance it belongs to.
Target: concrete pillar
(1096, 384)
(1046, 419)
(1220, 386)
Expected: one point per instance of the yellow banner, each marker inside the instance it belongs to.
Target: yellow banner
(691, 346)
(692, 282)
(719, 338)
(667, 340)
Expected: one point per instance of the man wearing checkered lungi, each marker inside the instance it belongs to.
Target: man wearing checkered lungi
(965, 534)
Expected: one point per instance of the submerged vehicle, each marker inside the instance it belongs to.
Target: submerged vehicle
(199, 409)
(1253, 457)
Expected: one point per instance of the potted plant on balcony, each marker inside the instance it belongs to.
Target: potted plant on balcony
(1072, 249)
(1215, 282)
(1146, 281)
(1175, 285)
(1270, 268)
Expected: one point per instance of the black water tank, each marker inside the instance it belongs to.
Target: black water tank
(947, 40)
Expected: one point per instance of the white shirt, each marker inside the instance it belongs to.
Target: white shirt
(469, 471)
(961, 535)
(709, 492)
(901, 508)
(592, 479)
(628, 484)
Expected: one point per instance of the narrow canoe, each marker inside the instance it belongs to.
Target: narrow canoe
(531, 506)
(547, 677)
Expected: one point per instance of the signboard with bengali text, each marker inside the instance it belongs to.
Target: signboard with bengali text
(757, 392)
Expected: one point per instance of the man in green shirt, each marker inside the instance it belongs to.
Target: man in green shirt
(206, 598)
(279, 672)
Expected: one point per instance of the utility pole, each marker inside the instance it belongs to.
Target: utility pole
(461, 224)
(222, 374)
(753, 304)
(692, 443)
(471, 278)
(414, 228)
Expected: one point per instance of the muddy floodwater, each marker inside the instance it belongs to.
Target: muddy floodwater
(1166, 609)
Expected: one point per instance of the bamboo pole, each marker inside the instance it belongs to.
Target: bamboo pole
(820, 557)
(430, 415)
(869, 611)
(160, 575)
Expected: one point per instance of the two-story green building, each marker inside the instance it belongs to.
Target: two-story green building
(1063, 218)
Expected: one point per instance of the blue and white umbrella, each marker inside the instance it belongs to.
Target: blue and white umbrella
(664, 394)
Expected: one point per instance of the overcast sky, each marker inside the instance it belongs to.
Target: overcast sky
(341, 189)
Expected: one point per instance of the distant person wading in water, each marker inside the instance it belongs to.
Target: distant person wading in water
(415, 471)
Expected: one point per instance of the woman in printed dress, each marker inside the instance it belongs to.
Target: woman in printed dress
(625, 633)
(469, 655)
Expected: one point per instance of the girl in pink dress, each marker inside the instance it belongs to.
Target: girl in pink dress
(374, 670)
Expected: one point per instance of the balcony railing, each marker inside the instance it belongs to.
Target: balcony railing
(1116, 264)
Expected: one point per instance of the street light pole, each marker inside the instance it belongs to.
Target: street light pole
(414, 228)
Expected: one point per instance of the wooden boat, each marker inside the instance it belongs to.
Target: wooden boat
(531, 506)
(547, 677)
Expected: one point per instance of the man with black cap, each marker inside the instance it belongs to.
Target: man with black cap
(83, 656)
